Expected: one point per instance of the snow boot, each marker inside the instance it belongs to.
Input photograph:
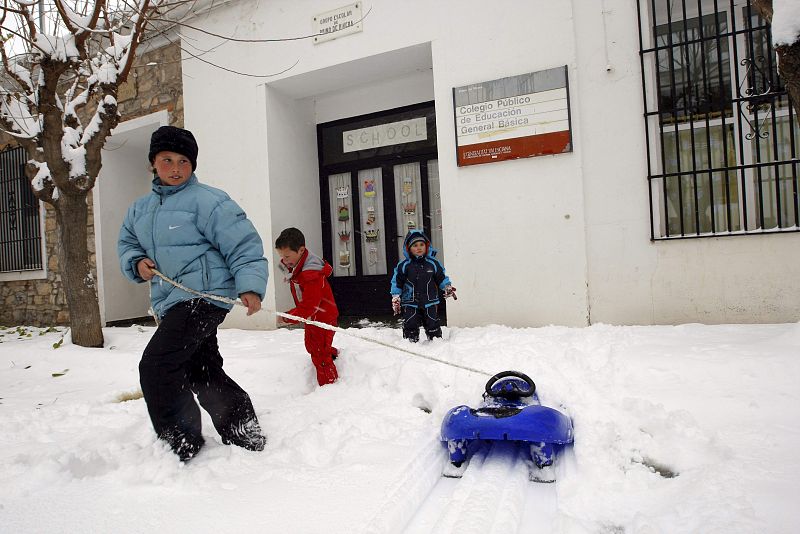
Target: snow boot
(326, 372)
(187, 449)
(247, 436)
(251, 442)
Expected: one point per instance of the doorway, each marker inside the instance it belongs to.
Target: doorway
(123, 179)
(379, 178)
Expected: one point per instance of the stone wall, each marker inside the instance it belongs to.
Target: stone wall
(153, 85)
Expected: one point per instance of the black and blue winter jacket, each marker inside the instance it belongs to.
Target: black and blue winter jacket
(419, 279)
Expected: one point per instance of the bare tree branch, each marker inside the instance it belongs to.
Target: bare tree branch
(764, 8)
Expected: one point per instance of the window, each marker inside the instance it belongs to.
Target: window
(20, 223)
(722, 136)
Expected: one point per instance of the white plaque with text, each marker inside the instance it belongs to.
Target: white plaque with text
(337, 23)
(514, 117)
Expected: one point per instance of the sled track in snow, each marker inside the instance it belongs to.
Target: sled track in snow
(494, 495)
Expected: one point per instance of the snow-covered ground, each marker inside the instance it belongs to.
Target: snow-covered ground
(686, 429)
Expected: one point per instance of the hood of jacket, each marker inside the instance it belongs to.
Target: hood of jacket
(430, 252)
(310, 262)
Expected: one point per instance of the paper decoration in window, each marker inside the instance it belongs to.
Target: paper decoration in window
(411, 224)
(344, 236)
(410, 209)
(344, 213)
(344, 258)
(342, 192)
(371, 215)
(371, 235)
(408, 185)
(369, 188)
(372, 256)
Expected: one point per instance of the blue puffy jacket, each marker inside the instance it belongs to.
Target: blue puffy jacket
(197, 236)
(418, 280)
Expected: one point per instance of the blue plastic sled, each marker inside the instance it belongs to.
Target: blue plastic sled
(510, 411)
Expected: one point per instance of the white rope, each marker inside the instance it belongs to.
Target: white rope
(324, 326)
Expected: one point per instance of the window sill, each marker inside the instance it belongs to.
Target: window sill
(15, 276)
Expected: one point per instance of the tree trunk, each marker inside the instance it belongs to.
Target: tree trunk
(79, 284)
(789, 69)
(788, 59)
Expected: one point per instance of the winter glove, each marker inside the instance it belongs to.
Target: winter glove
(396, 304)
(450, 291)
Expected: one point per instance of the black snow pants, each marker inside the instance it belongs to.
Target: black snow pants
(183, 359)
(414, 317)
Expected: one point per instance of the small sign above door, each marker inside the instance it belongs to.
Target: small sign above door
(337, 23)
(392, 133)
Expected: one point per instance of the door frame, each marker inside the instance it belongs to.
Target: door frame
(362, 288)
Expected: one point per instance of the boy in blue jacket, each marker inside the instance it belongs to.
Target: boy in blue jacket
(199, 237)
(416, 285)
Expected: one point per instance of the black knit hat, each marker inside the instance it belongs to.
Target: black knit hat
(173, 139)
(416, 239)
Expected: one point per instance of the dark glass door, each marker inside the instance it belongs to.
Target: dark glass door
(378, 179)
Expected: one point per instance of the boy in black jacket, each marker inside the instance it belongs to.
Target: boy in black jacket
(416, 284)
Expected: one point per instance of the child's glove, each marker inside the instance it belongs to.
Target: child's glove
(396, 304)
(450, 291)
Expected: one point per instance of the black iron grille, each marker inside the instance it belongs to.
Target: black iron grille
(20, 225)
(722, 135)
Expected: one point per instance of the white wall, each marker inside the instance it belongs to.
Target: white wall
(293, 179)
(125, 176)
(559, 239)
(609, 97)
(513, 231)
(364, 98)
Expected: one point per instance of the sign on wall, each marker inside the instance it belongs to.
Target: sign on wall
(515, 117)
(393, 133)
(337, 23)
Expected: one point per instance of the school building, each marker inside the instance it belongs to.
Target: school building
(575, 162)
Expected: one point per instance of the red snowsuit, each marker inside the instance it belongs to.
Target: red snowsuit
(313, 300)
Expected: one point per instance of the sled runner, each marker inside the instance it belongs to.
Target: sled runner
(510, 411)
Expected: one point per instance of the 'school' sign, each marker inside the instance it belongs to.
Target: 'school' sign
(393, 133)
(515, 117)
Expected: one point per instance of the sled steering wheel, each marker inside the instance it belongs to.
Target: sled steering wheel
(510, 389)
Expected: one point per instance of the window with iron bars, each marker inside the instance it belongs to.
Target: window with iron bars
(20, 222)
(722, 135)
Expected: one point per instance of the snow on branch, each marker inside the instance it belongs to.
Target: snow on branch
(17, 118)
(56, 48)
(62, 59)
(78, 24)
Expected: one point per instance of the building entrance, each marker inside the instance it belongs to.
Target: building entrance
(379, 178)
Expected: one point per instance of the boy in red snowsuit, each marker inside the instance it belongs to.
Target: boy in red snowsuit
(313, 300)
